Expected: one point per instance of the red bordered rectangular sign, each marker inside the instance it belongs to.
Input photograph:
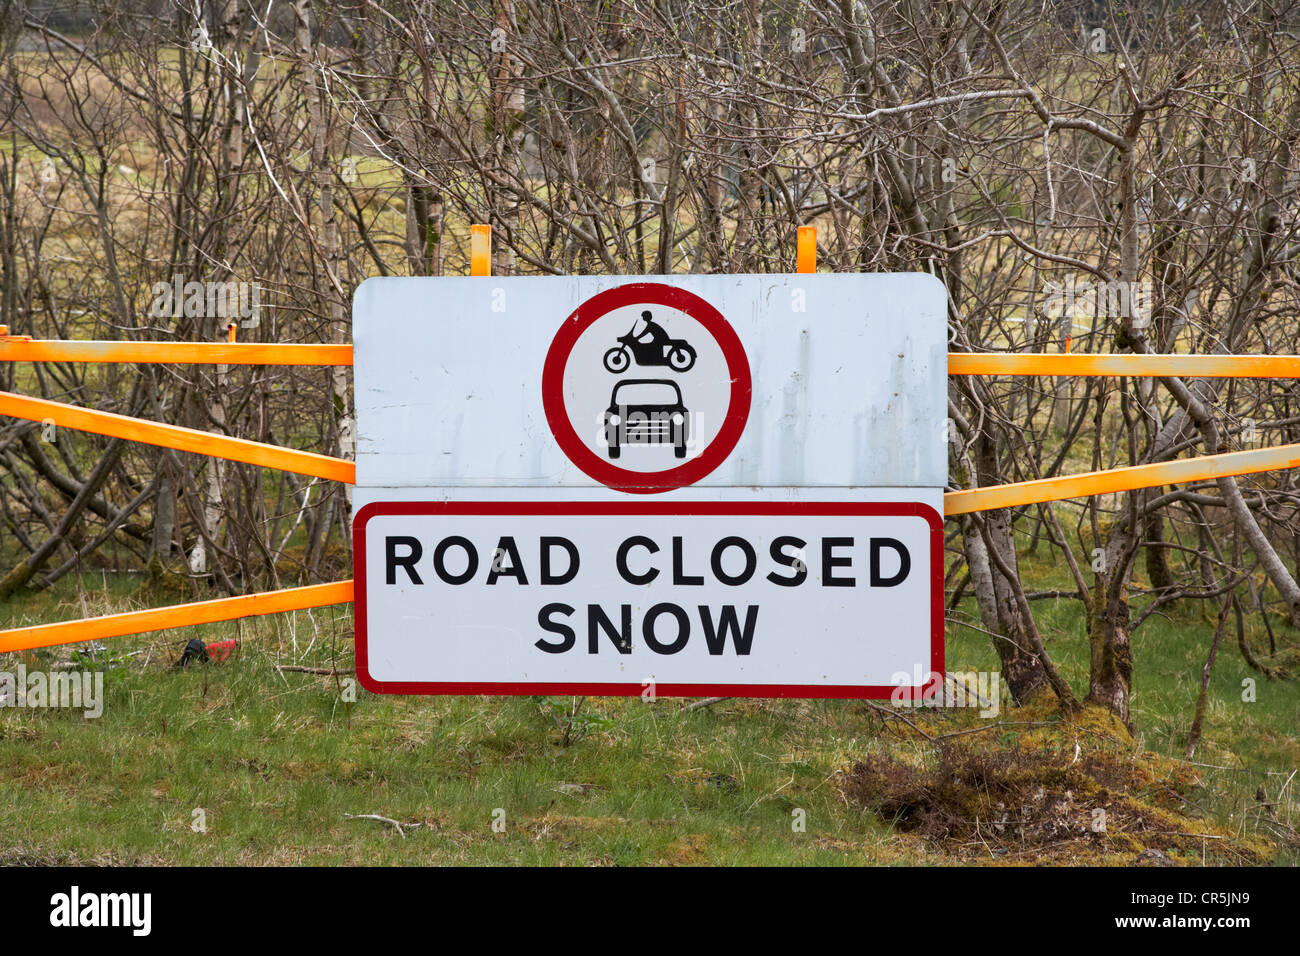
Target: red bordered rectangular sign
(649, 598)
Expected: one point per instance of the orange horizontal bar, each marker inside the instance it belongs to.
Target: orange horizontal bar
(182, 353)
(16, 349)
(173, 436)
(181, 615)
(1076, 363)
(1121, 479)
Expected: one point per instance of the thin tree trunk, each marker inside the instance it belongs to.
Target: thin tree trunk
(1202, 698)
(331, 247)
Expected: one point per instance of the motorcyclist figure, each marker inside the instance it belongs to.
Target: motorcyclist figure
(650, 333)
(651, 344)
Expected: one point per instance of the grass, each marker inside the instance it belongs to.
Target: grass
(277, 759)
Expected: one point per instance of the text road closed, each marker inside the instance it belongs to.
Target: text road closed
(469, 597)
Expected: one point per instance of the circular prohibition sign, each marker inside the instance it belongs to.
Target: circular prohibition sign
(626, 479)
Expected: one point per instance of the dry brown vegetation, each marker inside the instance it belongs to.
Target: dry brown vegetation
(1030, 803)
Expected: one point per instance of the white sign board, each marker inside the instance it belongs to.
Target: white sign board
(676, 485)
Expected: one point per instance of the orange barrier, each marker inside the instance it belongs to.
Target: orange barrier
(1121, 479)
(173, 436)
(1083, 364)
(1133, 476)
(15, 349)
(24, 349)
(181, 615)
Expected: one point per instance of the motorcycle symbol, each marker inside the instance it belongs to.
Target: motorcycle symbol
(659, 350)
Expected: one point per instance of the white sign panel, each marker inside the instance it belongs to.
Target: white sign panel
(670, 485)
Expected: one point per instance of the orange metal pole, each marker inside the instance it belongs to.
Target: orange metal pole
(1077, 363)
(182, 615)
(173, 436)
(806, 249)
(181, 353)
(480, 250)
(1121, 479)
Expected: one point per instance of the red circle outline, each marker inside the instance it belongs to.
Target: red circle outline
(623, 479)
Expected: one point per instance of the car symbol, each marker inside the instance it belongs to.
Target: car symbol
(646, 411)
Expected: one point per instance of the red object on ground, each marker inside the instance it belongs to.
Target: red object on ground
(220, 650)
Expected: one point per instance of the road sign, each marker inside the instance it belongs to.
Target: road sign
(646, 387)
(669, 485)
